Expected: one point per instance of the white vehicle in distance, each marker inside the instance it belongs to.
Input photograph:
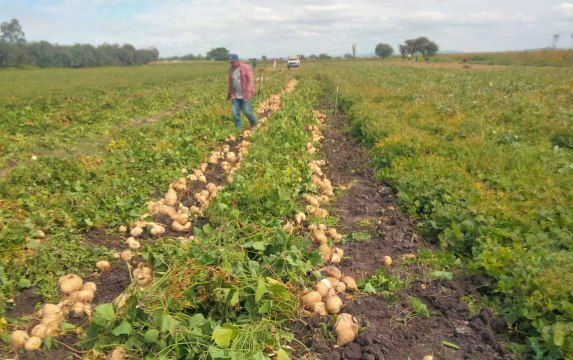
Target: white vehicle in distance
(293, 61)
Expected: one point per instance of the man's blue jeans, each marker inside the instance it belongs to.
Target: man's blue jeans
(247, 107)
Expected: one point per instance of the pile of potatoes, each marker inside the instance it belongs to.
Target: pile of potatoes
(324, 299)
(76, 299)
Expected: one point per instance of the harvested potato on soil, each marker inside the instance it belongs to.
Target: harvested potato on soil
(103, 265)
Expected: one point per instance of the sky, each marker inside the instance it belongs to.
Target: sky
(253, 28)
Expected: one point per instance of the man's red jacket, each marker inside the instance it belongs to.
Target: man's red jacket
(247, 82)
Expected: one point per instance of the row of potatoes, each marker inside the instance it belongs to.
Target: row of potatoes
(324, 299)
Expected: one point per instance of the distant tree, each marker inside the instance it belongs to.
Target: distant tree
(12, 32)
(264, 58)
(219, 54)
(348, 56)
(384, 50)
(324, 56)
(312, 57)
(421, 45)
(301, 57)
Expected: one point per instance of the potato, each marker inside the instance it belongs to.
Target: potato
(103, 265)
(331, 271)
(333, 304)
(350, 283)
(70, 283)
(126, 255)
(33, 343)
(340, 287)
(49, 309)
(300, 217)
(78, 309)
(117, 354)
(86, 296)
(18, 339)
(134, 244)
(40, 330)
(310, 299)
(387, 260)
(320, 309)
(320, 237)
(335, 258)
(180, 228)
(90, 286)
(136, 231)
(323, 286)
(170, 199)
(325, 252)
(345, 329)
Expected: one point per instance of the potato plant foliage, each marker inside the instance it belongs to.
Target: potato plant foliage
(87, 148)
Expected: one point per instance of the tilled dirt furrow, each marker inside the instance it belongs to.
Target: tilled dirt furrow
(366, 206)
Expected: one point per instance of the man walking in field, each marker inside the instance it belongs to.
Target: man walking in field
(241, 91)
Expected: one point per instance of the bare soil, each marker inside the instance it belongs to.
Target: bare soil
(367, 205)
(24, 304)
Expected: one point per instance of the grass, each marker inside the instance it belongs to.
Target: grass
(483, 159)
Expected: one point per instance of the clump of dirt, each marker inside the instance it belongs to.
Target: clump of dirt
(388, 329)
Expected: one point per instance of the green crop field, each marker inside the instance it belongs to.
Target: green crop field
(483, 159)
(480, 159)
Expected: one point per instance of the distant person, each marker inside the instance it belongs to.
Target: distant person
(241, 91)
(274, 63)
(254, 62)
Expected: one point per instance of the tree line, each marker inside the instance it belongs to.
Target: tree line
(16, 51)
(411, 47)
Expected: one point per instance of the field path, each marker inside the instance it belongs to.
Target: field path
(367, 206)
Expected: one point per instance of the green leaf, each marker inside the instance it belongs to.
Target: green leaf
(223, 335)
(196, 320)
(24, 283)
(104, 314)
(257, 245)
(368, 288)
(442, 275)
(168, 324)
(282, 355)
(123, 329)
(67, 327)
(151, 336)
(88, 222)
(266, 307)
(449, 344)
(261, 290)
(218, 353)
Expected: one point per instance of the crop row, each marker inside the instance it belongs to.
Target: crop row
(483, 159)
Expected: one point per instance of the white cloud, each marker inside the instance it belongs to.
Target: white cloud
(566, 9)
(428, 16)
(256, 27)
